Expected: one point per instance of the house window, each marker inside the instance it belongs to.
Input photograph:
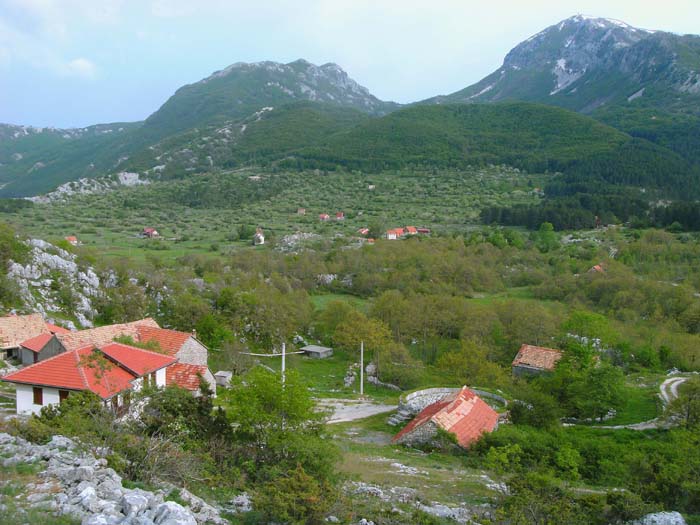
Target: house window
(38, 395)
(62, 395)
(36, 357)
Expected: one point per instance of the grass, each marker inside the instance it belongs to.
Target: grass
(443, 200)
(439, 477)
(321, 301)
(641, 404)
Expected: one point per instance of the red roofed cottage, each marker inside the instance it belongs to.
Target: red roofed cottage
(532, 360)
(463, 414)
(110, 372)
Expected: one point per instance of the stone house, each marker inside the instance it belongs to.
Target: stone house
(112, 372)
(150, 233)
(191, 356)
(534, 360)
(462, 413)
(15, 329)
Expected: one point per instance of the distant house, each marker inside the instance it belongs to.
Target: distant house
(411, 230)
(259, 237)
(462, 413)
(534, 360)
(394, 234)
(150, 233)
(371, 187)
(39, 348)
(72, 240)
(598, 268)
(14, 329)
(301, 211)
(340, 216)
(423, 231)
(363, 231)
(112, 372)
(317, 352)
(324, 217)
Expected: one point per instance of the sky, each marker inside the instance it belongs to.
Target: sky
(71, 63)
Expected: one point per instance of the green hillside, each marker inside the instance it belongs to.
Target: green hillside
(532, 137)
(40, 161)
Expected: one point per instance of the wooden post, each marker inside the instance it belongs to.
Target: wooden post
(283, 361)
(362, 368)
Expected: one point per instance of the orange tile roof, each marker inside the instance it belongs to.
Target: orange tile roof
(103, 334)
(82, 369)
(463, 413)
(184, 375)
(17, 328)
(170, 341)
(139, 363)
(411, 229)
(35, 344)
(537, 357)
(55, 329)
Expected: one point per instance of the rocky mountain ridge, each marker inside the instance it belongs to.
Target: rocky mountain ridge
(583, 63)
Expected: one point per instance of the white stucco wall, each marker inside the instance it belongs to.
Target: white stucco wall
(25, 399)
(160, 378)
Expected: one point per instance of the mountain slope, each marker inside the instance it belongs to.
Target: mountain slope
(265, 136)
(533, 137)
(646, 83)
(583, 63)
(241, 89)
(39, 161)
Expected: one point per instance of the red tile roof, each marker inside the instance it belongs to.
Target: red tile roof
(139, 363)
(87, 369)
(170, 341)
(55, 329)
(537, 357)
(411, 229)
(463, 413)
(17, 328)
(35, 344)
(184, 375)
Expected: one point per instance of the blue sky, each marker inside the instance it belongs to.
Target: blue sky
(77, 62)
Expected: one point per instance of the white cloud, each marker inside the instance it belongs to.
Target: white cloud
(81, 67)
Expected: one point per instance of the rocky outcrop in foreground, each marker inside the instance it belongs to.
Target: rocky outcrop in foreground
(80, 485)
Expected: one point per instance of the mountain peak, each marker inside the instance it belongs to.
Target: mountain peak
(585, 62)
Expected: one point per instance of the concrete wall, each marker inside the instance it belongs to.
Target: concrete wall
(25, 399)
(52, 348)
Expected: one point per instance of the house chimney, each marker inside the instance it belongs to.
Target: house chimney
(194, 333)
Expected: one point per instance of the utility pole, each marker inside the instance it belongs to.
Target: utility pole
(284, 349)
(362, 368)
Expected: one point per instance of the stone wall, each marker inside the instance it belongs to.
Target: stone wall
(417, 401)
(420, 435)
